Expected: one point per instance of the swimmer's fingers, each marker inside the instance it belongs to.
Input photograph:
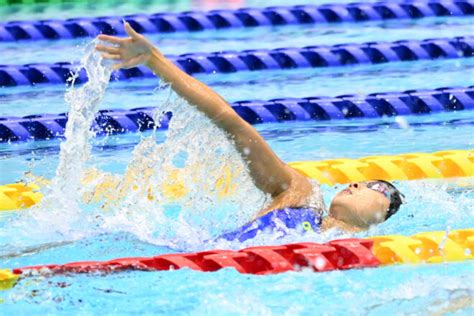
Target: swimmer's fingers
(118, 66)
(131, 32)
(130, 63)
(112, 39)
(131, 52)
(111, 56)
(107, 49)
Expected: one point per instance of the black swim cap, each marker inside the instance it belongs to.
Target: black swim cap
(396, 199)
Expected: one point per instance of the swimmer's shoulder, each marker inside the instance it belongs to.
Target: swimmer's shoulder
(303, 193)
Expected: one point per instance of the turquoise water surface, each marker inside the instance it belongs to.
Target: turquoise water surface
(58, 232)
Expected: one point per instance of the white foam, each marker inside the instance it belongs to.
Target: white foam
(59, 215)
(194, 146)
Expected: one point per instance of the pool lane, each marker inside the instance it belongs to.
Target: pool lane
(363, 79)
(90, 8)
(292, 141)
(17, 53)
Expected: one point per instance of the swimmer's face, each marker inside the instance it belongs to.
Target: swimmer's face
(359, 205)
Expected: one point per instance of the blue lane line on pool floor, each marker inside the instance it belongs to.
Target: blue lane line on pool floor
(376, 105)
(260, 59)
(193, 21)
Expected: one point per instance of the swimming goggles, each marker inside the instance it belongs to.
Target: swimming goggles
(380, 187)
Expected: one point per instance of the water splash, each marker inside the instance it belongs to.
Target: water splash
(59, 213)
(177, 193)
(83, 104)
(197, 155)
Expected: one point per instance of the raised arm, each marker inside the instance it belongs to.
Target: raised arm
(270, 174)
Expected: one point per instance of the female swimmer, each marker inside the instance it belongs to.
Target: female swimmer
(356, 207)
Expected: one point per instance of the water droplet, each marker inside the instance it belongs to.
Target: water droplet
(402, 122)
(320, 263)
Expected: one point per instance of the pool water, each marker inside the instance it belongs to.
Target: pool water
(134, 227)
(81, 8)
(260, 38)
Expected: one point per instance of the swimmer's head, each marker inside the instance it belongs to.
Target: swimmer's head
(366, 203)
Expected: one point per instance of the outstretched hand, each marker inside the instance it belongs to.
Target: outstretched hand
(129, 52)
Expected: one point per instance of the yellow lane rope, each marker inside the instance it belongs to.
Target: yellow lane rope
(410, 166)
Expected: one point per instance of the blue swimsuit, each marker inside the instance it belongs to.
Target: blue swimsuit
(300, 219)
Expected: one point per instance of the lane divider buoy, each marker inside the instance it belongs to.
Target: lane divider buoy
(409, 166)
(259, 59)
(317, 108)
(342, 254)
(194, 21)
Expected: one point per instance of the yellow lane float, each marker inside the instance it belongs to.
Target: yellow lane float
(19, 195)
(7, 279)
(430, 247)
(411, 166)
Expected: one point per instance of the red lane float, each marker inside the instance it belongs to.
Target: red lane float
(342, 254)
(335, 255)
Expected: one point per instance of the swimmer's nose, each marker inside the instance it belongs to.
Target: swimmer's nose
(354, 185)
